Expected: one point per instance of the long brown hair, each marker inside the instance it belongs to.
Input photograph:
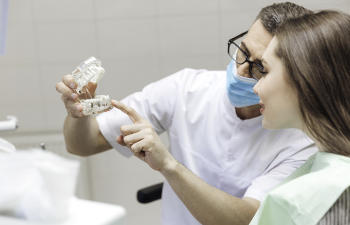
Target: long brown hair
(315, 50)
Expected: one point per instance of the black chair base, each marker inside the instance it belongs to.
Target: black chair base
(150, 194)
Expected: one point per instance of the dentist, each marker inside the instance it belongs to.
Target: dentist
(221, 161)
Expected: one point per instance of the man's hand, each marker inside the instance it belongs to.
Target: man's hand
(70, 98)
(143, 141)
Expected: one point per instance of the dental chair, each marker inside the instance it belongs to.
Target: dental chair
(339, 213)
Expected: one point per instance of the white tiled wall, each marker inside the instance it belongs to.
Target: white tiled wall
(138, 41)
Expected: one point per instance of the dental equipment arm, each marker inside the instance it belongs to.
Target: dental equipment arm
(9, 124)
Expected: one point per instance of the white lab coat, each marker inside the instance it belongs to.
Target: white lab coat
(206, 136)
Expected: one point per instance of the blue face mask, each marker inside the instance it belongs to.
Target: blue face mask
(240, 89)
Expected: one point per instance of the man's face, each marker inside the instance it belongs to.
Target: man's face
(254, 44)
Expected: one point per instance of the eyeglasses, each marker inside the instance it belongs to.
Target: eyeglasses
(256, 70)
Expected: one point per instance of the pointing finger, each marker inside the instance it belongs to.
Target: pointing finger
(133, 115)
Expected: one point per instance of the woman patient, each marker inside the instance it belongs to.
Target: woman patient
(306, 86)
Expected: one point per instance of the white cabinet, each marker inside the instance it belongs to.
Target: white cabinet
(83, 212)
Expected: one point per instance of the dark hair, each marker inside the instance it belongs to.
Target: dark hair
(273, 16)
(315, 50)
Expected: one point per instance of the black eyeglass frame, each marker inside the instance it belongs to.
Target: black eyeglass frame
(251, 63)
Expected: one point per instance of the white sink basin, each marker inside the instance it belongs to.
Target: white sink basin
(83, 212)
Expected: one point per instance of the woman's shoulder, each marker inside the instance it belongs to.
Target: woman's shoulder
(313, 189)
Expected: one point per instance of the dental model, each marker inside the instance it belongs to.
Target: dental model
(88, 71)
(91, 71)
(96, 105)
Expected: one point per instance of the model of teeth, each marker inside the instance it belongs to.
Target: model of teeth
(91, 71)
(88, 71)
